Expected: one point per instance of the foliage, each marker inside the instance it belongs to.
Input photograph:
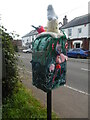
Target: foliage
(9, 68)
(23, 105)
(15, 48)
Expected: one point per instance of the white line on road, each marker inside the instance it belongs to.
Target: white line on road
(65, 85)
(85, 69)
(76, 90)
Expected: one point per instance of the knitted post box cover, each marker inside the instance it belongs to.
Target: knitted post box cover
(49, 61)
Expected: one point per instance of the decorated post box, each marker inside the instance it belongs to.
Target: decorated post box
(49, 60)
(49, 55)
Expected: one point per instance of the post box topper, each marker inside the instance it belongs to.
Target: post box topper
(49, 61)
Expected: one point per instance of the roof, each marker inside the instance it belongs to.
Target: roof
(85, 19)
(33, 32)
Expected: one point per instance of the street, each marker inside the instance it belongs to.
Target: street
(77, 75)
(69, 101)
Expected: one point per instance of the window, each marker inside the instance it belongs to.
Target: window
(69, 32)
(79, 30)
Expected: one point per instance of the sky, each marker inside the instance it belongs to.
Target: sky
(19, 15)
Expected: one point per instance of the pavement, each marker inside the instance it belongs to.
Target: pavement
(79, 60)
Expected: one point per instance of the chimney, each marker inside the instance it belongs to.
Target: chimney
(65, 20)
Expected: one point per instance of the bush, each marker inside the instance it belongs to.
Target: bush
(15, 48)
(9, 68)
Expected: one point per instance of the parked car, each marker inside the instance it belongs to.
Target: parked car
(29, 50)
(78, 53)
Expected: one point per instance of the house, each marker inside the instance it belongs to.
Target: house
(17, 45)
(78, 32)
(28, 38)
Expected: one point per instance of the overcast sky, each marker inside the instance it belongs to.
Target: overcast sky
(19, 15)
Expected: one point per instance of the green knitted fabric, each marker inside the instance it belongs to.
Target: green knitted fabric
(44, 54)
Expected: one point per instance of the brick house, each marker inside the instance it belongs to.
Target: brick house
(78, 32)
(18, 44)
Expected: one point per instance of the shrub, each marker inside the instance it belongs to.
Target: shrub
(9, 68)
(15, 48)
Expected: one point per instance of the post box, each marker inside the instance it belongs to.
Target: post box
(49, 61)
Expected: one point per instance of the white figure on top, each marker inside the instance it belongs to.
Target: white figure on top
(51, 14)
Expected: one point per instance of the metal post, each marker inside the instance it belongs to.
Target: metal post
(49, 105)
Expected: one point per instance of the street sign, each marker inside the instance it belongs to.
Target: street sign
(49, 61)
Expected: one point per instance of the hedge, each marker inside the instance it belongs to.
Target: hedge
(9, 67)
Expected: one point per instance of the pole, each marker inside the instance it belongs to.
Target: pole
(49, 105)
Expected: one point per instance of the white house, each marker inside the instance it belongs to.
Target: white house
(28, 38)
(78, 32)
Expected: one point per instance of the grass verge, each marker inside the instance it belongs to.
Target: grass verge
(23, 105)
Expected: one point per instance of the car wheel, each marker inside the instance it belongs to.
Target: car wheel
(27, 51)
(78, 56)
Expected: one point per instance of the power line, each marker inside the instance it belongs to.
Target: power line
(69, 11)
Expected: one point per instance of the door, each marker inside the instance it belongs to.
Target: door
(77, 45)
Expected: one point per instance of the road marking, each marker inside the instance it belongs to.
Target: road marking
(65, 85)
(85, 69)
(76, 90)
